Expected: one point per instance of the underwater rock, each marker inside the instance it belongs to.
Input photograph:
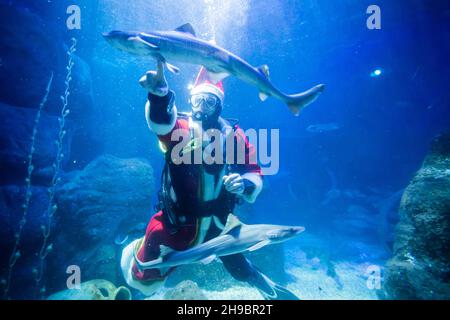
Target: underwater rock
(12, 198)
(420, 267)
(34, 45)
(15, 144)
(26, 35)
(186, 290)
(97, 289)
(212, 276)
(110, 193)
(108, 197)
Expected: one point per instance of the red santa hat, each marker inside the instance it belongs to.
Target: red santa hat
(204, 84)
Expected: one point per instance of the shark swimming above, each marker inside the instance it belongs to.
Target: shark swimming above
(182, 45)
(236, 237)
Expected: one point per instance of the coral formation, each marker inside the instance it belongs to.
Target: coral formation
(97, 289)
(186, 290)
(109, 199)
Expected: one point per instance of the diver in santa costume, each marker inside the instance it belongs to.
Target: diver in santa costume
(195, 199)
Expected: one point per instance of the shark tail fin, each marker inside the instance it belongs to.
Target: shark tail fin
(297, 102)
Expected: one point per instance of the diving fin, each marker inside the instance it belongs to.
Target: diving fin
(269, 289)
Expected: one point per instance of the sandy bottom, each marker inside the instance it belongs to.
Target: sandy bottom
(307, 282)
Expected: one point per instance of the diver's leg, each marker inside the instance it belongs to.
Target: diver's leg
(243, 270)
(157, 233)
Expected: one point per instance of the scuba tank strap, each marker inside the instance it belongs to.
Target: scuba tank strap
(165, 202)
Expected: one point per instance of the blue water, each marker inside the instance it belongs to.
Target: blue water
(340, 182)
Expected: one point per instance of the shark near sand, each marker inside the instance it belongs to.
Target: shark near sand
(182, 45)
(236, 237)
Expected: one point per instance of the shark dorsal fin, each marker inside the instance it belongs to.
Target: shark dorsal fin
(264, 70)
(165, 250)
(232, 224)
(186, 28)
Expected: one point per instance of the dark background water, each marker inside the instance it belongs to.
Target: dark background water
(338, 183)
(385, 123)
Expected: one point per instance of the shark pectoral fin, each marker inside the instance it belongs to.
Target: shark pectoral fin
(217, 76)
(186, 28)
(259, 245)
(209, 259)
(263, 96)
(144, 42)
(172, 68)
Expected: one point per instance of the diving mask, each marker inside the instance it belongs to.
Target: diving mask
(205, 103)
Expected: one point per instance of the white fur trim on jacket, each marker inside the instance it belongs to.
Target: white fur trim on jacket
(257, 180)
(161, 128)
(126, 264)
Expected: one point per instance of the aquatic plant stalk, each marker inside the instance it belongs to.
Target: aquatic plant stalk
(15, 254)
(47, 247)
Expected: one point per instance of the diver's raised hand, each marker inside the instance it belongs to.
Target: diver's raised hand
(155, 81)
(234, 183)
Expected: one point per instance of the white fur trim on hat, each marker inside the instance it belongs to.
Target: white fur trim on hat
(208, 88)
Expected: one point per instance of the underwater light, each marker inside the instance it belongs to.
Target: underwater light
(376, 73)
(190, 86)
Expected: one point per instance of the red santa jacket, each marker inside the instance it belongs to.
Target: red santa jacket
(197, 188)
